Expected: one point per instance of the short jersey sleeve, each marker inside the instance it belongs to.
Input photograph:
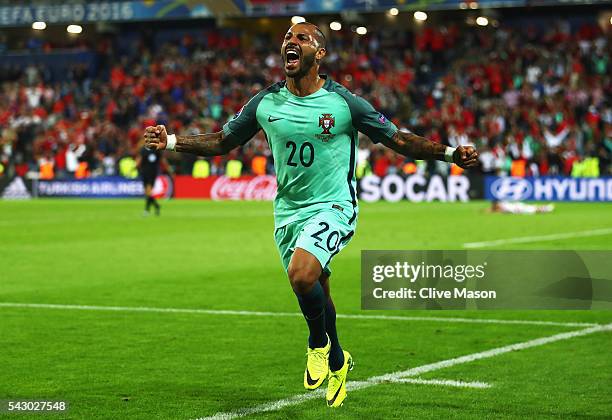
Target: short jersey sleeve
(366, 119)
(243, 126)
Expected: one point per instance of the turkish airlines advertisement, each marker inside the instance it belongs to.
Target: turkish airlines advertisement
(103, 187)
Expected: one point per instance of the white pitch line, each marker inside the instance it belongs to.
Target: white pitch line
(419, 370)
(291, 314)
(540, 238)
(469, 320)
(320, 393)
(441, 382)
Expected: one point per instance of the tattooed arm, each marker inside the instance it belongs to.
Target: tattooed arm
(209, 144)
(378, 128)
(409, 144)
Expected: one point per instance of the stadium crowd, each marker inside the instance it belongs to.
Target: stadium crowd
(534, 101)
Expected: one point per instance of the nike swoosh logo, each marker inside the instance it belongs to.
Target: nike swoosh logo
(270, 119)
(309, 380)
(331, 402)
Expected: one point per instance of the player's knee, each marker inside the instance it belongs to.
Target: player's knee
(302, 278)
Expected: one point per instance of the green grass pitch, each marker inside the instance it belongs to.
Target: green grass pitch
(221, 255)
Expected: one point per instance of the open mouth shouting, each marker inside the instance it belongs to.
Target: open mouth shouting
(292, 57)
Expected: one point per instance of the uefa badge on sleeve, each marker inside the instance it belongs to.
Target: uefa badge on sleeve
(239, 112)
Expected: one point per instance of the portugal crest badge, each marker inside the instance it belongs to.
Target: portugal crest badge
(326, 121)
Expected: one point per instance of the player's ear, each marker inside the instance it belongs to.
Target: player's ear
(321, 53)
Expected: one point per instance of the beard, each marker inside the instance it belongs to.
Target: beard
(306, 63)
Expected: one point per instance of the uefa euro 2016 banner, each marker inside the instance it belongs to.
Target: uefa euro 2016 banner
(142, 10)
(548, 189)
(108, 11)
(104, 187)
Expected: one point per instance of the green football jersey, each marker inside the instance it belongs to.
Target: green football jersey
(314, 144)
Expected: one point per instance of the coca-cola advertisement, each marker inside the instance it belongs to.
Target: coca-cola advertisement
(261, 187)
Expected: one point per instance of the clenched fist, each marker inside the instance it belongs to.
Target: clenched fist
(465, 157)
(156, 138)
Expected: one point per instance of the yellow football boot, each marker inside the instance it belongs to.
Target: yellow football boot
(317, 366)
(336, 387)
